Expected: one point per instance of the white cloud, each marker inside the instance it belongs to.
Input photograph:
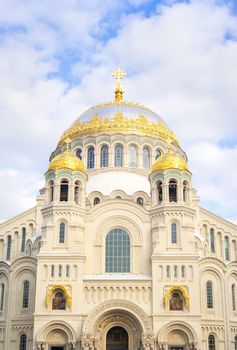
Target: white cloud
(178, 61)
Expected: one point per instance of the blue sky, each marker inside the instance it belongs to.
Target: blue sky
(56, 59)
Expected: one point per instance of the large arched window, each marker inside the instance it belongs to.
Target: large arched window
(227, 248)
(209, 295)
(118, 156)
(64, 191)
(26, 290)
(104, 156)
(90, 158)
(133, 156)
(146, 158)
(174, 233)
(9, 245)
(23, 239)
(211, 342)
(233, 294)
(160, 192)
(173, 191)
(212, 240)
(2, 296)
(117, 255)
(62, 233)
(23, 342)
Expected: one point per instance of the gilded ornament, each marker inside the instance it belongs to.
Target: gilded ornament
(118, 75)
(173, 289)
(119, 123)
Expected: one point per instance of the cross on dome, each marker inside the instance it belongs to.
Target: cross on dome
(118, 74)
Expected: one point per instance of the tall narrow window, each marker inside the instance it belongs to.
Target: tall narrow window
(233, 292)
(227, 249)
(9, 244)
(23, 239)
(174, 233)
(183, 271)
(209, 295)
(23, 342)
(104, 156)
(60, 269)
(26, 289)
(158, 153)
(64, 191)
(2, 296)
(118, 156)
(52, 270)
(79, 153)
(185, 191)
(236, 342)
(160, 192)
(117, 251)
(90, 158)
(51, 191)
(175, 271)
(62, 233)
(67, 270)
(133, 156)
(76, 192)
(211, 342)
(146, 158)
(172, 191)
(212, 240)
(168, 271)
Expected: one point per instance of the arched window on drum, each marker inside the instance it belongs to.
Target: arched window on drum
(118, 156)
(132, 156)
(158, 153)
(104, 156)
(117, 254)
(173, 191)
(90, 158)
(146, 158)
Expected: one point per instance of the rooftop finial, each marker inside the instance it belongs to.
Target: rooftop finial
(118, 74)
(67, 140)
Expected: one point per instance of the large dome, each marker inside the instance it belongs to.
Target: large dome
(125, 117)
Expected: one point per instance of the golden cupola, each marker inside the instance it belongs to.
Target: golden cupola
(170, 160)
(66, 160)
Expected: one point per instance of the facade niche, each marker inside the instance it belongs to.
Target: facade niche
(176, 302)
(59, 300)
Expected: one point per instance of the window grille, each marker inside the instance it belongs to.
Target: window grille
(23, 341)
(209, 295)
(233, 292)
(227, 249)
(23, 239)
(62, 233)
(26, 288)
(104, 157)
(146, 158)
(90, 158)
(174, 233)
(9, 243)
(117, 251)
(212, 240)
(211, 342)
(118, 156)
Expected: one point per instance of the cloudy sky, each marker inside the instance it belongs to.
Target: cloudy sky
(56, 59)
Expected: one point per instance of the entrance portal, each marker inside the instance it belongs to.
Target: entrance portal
(117, 339)
(176, 348)
(57, 347)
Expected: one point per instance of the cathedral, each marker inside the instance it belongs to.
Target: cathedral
(117, 253)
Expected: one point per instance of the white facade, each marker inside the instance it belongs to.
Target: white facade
(173, 288)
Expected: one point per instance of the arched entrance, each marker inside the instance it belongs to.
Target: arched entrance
(117, 339)
(177, 340)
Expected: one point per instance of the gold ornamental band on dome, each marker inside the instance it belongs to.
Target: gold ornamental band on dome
(173, 289)
(119, 123)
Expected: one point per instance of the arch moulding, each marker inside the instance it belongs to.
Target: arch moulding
(180, 325)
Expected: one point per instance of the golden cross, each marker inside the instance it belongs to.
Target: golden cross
(119, 74)
(67, 140)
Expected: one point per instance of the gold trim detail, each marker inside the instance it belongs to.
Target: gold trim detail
(173, 289)
(119, 123)
(119, 74)
(51, 290)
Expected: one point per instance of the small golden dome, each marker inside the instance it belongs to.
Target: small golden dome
(66, 160)
(169, 160)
